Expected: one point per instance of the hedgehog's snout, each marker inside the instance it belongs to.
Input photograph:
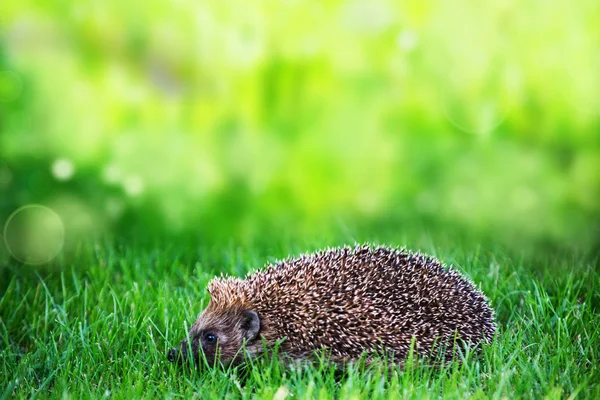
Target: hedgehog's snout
(178, 354)
(172, 354)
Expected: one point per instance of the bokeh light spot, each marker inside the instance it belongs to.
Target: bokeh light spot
(63, 169)
(111, 174)
(11, 86)
(479, 117)
(407, 40)
(479, 101)
(34, 234)
(133, 185)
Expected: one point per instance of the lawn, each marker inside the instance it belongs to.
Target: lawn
(99, 321)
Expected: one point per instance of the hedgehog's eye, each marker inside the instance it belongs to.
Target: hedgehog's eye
(210, 338)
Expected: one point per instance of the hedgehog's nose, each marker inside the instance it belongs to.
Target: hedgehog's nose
(172, 355)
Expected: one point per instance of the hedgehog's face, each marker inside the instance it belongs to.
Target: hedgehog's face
(220, 336)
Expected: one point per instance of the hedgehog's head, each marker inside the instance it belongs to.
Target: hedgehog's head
(226, 330)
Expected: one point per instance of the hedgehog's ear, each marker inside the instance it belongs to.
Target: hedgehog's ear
(250, 324)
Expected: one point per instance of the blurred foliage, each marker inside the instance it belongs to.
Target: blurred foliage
(231, 119)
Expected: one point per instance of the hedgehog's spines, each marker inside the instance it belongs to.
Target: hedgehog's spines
(363, 298)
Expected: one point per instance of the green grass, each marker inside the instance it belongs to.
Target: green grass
(99, 323)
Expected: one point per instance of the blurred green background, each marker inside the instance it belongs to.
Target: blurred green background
(233, 120)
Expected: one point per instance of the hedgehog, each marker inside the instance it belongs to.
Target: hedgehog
(353, 303)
